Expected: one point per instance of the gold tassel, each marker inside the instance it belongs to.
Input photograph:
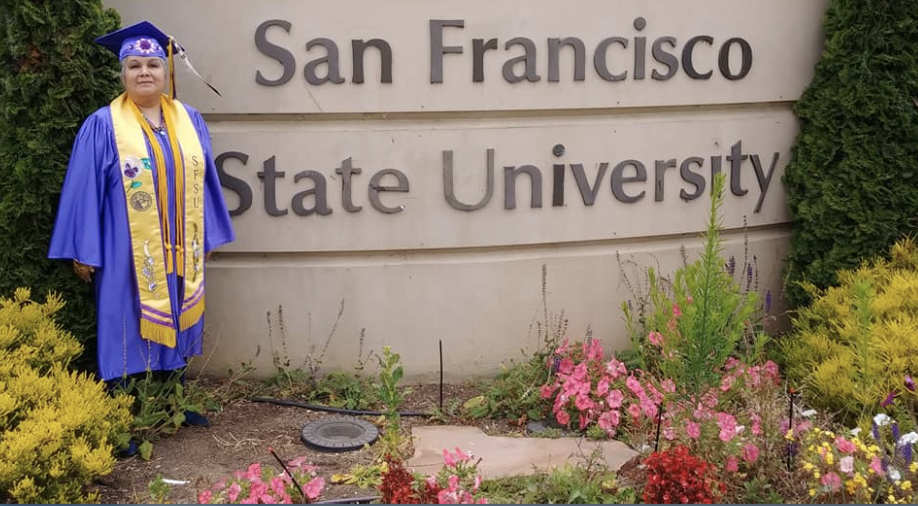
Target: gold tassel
(192, 315)
(159, 334)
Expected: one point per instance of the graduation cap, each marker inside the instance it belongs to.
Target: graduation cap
(145, 39)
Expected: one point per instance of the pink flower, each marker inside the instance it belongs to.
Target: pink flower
(448, 458)
(602, 388)
(609, 420)
(676, 311)
(655, 338)
(253, 473)
(669, 433)
(846, 464)
(844, 445)
(727, 425)
(648, 406)
(584, 403)
(771, 370)
(278, 486)
(635, 411)
(615, 368)
(585, 420)
(462, 457)
(563, 348)
(693, 429)
(313, 489)
(750, 452)
(615, 399)
(634, 385)
(593, 350)
(546, 391)
(726, 383)
(205, 497)
(668, 386)
(566, 365)
(877, 466)
(732, 465)
(563, 417)
(233, 492)
(831, 481)
(756, 424)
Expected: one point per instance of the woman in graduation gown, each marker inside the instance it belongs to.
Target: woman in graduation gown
(140, 211)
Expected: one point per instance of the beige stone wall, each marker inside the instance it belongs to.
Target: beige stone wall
(410, 268)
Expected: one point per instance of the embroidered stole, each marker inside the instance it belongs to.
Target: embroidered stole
(148, 215)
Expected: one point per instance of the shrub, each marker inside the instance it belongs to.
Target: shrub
(59, 428)
(52, 76)
(850, 184)
(676, 477)
(699, 323)
(857, 341)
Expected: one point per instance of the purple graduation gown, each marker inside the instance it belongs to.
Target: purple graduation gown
(92, 228)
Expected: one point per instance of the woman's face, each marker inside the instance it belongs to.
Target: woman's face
(144, 77)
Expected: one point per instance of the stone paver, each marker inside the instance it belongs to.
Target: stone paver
(507, 456)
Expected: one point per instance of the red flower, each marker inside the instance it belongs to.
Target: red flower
(675, 476)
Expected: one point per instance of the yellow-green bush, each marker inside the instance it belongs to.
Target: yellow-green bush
(854, 345)
(59, 428)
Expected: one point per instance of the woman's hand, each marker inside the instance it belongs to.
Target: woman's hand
(83, 271)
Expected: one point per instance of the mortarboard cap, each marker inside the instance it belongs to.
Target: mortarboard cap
(139, 39)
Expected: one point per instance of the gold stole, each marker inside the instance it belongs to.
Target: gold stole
(148, 216)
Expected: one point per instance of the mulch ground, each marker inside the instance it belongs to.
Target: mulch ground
(240, 435)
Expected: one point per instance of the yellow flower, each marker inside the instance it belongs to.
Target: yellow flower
(914, 467)
(789, 434)
(807, 466)
(830, 458)
(816, 474)
(851, 486)
(906, 485)
(812, 492)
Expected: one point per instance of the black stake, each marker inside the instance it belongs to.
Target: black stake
(656, 444)
(284, 466)
(441, 376)
(790, 425)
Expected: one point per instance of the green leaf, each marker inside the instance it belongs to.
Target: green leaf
(136, 184)
(146, 450)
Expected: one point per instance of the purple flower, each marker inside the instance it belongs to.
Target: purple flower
(889, 399)
(895, 431)
(748, 274)
(909, 383)
(875, 429)
(767, 301)
(907, 452)
(731, 265)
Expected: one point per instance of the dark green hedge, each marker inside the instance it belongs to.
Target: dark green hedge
(52, 76)
(853, 181)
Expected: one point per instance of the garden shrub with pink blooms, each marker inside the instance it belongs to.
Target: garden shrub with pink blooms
(264, 485)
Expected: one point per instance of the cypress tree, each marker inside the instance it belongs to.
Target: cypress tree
(853, 182)
(52, 76)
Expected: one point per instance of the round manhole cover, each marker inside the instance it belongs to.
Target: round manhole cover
(339, 433)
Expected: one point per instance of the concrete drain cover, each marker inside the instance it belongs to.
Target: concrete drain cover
(339, 433)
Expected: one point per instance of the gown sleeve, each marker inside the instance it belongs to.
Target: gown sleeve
(78, 226)
(218, 227)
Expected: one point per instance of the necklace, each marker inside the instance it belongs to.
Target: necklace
(161, 129)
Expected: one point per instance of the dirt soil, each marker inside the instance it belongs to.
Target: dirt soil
(240, 435)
